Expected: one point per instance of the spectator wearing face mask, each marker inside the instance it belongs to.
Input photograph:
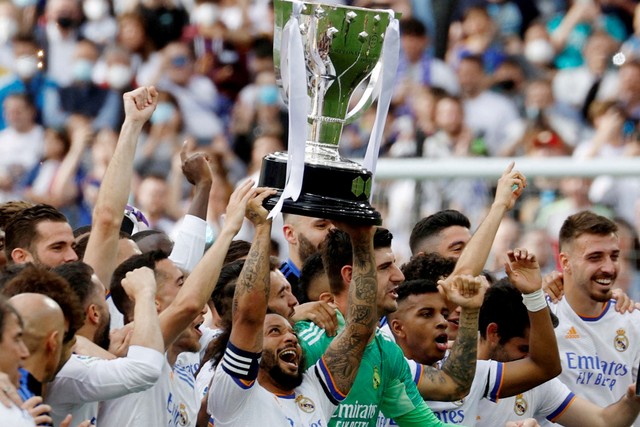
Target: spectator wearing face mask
(115, 70)
(164, 138)
(538, 49)
(197, 96)
(58, 37)
(222, 53)
(100, 27)
(28, 78)
(85, 98)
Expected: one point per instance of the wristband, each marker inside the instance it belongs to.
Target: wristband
(534, 301)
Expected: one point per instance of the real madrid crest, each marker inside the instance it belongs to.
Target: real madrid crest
(520, 406)
(376, 378)
(183, 420)
(305, 404)
(621, 342)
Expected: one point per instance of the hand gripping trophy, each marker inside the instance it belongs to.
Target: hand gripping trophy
(322, 54)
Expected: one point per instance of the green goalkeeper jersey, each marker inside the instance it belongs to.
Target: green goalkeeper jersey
(384, 382)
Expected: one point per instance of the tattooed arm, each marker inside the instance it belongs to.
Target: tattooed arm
(344, 354)
(197, 288)
(453, 382)
(252, 289)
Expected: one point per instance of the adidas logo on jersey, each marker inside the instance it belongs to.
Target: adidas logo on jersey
(572, 333)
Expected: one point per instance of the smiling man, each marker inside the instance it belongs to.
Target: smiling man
(39, 234)
(384, 383)
(419, 327)
(261, 379)
(598, 346)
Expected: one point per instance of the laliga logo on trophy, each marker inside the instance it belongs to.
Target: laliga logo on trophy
(322, 54)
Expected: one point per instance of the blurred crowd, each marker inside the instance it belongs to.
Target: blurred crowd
(476, 78)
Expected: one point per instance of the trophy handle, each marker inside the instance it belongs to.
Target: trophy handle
(369, 96)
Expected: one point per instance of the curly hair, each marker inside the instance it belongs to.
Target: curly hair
(39, 280)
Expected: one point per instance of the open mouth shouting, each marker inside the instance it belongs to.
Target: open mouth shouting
(290, 357)
(441, 342)
(197, 324)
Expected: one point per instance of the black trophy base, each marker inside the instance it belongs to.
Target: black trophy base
(329, 192)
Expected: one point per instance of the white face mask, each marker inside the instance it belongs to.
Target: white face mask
(119, 76)
(539, 51)
(95, 9)
(205, 14)
(82, 70)
(8, 29)
(26, 66)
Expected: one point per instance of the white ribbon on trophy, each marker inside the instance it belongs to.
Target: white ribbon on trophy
(390, 55)
(294, 83)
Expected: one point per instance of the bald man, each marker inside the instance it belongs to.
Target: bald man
(44, 330)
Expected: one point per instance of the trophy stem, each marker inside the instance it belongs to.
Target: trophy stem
(319, 153)
(324, 130)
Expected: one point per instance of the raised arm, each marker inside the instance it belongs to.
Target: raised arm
(109, 379)
(140, 286)
(584, 413)
(543, 361)
(252, 289)
(198, 287)
(198, 172)
(190, 240)
(102, 248)
(344, 354)
(454, 380)
(64, 188)
(475, 254)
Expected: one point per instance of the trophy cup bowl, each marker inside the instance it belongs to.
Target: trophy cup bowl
(342, 47)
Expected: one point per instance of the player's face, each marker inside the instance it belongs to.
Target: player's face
(170, 279)
(452, 241)
(101, 336)
(423, 319)
(189, 340)
(514, 349)
(281, 353)
(53, 245)
(454, 323)
(591, 264)
(14, 351)
(310, 232)
(389, 277)
(281, 299)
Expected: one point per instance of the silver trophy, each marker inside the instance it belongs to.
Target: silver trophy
(341, 48)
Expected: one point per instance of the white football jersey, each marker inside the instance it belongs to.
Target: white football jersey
(203, 380)
(172, 401)
(599, 355)
(84, 381)
(545, 402)
(15, 417)
(237, 399)
(486, 383)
